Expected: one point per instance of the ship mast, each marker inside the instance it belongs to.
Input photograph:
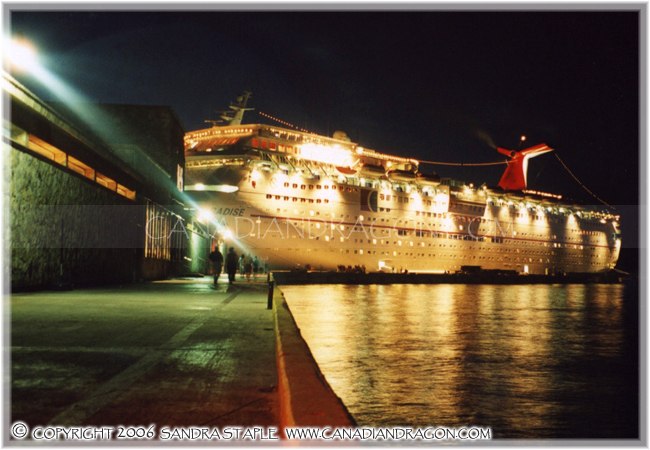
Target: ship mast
(238, 108)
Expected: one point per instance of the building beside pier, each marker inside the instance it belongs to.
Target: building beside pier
(94, 194)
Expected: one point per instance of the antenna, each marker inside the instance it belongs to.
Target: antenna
(235, 114)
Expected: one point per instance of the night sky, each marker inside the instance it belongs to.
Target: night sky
(434, 85)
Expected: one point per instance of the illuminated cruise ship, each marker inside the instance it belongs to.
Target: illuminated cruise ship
(300, 200)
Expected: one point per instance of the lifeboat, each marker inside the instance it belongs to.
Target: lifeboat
(347, 171)
(261, 164)
(427, 180)
(401, 175)
(372, 171)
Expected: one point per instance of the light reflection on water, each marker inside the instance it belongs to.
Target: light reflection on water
(532, 361)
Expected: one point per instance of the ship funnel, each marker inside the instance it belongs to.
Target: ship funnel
(341, 136)
(515, 176)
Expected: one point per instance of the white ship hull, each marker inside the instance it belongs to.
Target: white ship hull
(297, 199)
(291, 222)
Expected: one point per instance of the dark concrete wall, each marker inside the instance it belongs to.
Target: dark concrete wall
(140, 135)
(59, 220)
(65, 229)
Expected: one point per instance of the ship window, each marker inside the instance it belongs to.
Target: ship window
(265, 144)
(303, 200)
(318, 186)
(326, 186)
(294, 185)
(255, 142)
(318, 200)
(277, 197)
(286, 197)
(311, 186)
(333, 187)
(286, 184)
(302, 186)
(327, 201)
(311, 200)
(272, 145)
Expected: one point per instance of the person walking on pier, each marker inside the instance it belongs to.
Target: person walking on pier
(217, 260)
(240, 265)
(232, 261)
(248, 267)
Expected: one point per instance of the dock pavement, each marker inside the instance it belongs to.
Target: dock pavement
(171, 353)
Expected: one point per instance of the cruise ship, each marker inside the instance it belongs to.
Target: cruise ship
(296, 199)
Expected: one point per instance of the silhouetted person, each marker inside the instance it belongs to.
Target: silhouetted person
(232, 261)
(248, 267)
(217, 261)
(240, 265)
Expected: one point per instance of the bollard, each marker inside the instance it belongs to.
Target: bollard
(269, 300)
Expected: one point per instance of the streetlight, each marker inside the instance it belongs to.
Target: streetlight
(21, 54)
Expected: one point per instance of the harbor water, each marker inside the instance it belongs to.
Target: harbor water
(529, 361)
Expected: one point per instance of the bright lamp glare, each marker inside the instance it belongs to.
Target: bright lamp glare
(227, 188)
(21, 54)
(327, 154)
(205, 215)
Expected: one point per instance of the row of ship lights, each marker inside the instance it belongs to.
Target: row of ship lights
(468, 189)
(245, 130)
(541, 209)
(471, 190)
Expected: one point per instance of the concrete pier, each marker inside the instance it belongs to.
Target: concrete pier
(175, 353)
(286, 277)
(306, 398)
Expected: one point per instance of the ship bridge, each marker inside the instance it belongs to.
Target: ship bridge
(270, 148)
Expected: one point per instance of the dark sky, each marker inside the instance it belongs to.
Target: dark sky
(421, 84)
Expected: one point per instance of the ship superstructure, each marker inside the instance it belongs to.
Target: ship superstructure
(298, 199)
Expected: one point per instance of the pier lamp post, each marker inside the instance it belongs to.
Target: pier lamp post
(21, 55)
